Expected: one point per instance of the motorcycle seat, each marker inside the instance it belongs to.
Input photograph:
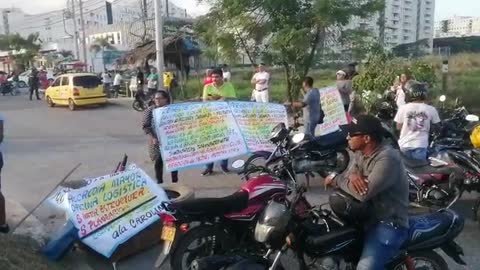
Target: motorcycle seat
(426, 228)
(424, 167)
(211, 207)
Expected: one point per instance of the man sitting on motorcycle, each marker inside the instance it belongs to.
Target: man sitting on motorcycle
(378, 180)
(414, 120)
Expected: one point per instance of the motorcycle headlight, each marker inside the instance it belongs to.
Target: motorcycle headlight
(263, 232)
(273, 220)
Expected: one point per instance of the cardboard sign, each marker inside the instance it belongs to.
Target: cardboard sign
(332, 106)
(256, 121)
(109, 198)
(192, 134)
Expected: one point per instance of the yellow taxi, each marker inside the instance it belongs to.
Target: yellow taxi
(75, 89)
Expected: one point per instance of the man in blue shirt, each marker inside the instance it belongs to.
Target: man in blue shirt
(311, 106)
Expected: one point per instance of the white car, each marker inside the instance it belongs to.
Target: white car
(23, 78)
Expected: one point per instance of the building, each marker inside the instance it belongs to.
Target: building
(56, 28)
(404, 21)
(458, 26)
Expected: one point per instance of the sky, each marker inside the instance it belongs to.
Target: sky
(443, 9)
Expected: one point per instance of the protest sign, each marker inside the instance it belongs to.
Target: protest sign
(197, 133)
(332, 106)
(109, 198)
(256, 121)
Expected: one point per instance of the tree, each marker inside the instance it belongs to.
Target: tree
(26, 48)
(101, 45)
(286, 32)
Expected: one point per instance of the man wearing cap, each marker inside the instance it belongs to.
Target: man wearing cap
(344, 86)
(377, 179)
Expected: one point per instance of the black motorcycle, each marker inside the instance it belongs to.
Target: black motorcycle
(142, 101)
(8, 88)
(332, 240)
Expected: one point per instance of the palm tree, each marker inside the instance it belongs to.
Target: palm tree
(100, 45)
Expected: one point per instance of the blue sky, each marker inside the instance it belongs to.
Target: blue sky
(444, 8)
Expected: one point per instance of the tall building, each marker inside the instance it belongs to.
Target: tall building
(458, 26)
(404, 21)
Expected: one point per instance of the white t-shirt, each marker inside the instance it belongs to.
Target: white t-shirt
(262, 76)
(416, 119)
(117, 80)
(106, 78)
(227, 76)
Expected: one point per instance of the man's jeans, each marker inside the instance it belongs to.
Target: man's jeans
(382, 244)
(416, 153)
(223, 164)
(309, 128)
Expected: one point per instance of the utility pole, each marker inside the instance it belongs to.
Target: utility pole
(159, 40)
(84, 42)
(144, 10)
(75, 31)
(6, 24)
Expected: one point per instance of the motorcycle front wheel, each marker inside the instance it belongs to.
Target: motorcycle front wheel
(199, 242)
(138, 106)
(424, 260)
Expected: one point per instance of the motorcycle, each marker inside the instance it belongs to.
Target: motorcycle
(336, 242)
(9, 88)
(312, 154)
(226, 224)
(142, 102)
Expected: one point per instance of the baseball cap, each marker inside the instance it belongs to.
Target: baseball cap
(365, 125)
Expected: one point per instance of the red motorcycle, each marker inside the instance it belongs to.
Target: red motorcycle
(202, 227)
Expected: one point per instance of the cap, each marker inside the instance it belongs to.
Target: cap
(364, 124)
(341, 72)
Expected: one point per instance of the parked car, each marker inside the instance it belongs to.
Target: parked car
(23, 78)
(76, 89)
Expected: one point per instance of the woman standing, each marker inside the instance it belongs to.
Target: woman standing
(161, 99)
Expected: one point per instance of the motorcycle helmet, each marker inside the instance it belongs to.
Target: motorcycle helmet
(475, 137)
(415, 91)
(347, 208)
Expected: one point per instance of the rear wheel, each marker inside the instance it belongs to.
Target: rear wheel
(50, 102)
(198, 243)
(138, 106)
(424, 260)
(22, 84)
(71, 105)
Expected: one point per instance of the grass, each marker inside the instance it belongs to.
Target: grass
(20, 253)
(241, 82)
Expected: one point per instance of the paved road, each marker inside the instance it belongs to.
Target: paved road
(43, 144)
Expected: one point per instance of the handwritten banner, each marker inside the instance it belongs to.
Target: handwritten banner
(192, 134)
(332, 106)
(109, 198)
(256, 121)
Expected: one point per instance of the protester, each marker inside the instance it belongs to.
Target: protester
(227, 75)
(399, 88)
(261, 80)
(3, 219)
(152, 81)
(117, 83)
(161, 99)
(107, 82)
(414, 120)
(208, 78)
(311, 106)
(218, 91)
(43, 78)
(33, 83)
(344, 86)
(379, 184)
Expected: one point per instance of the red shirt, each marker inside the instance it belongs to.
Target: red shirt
(208, 80)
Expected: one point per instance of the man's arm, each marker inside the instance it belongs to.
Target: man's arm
(205, 96)
(382, 176)
(254, 79)
(399, 118)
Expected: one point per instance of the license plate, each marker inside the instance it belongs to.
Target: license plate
(168, 233)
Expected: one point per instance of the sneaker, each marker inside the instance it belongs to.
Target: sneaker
(4, 228)
(225, 170)
(207, 172)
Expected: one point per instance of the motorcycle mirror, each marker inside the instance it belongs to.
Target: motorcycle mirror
(238, 164)
(472, 118)
(297, 138)
(442, 98)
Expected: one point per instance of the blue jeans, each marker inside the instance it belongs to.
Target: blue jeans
(309, 128)
(223, 164)
(382, 244)
(416, 153)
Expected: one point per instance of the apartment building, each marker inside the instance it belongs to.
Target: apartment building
(457, 26)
